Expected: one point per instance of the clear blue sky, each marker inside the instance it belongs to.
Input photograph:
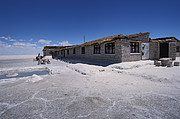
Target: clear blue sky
(27, 25)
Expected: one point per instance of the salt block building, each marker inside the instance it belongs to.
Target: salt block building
(50, 50)
(166, 47)
(178, 48)
(120, 48)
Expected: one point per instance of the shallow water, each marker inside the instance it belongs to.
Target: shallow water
(22, 74)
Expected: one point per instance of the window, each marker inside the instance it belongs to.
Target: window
(97, 49)
(83, 50)
(134, 47)
(110, 48)
(61, 52)
(68, 52)
(74, 51)
(177, 48)
(51, 52)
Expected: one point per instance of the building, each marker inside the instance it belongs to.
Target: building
(167, 47)
(178, 48)
(119, 48)
(51, 50)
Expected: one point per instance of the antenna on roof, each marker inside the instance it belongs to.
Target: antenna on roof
(84, 38)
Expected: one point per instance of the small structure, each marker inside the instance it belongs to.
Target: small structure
(157, 63)
(50, 50)
(164, 48)
(176, 63)
(170, 64)
(166, 61)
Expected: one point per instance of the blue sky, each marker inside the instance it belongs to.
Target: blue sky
(28, 25)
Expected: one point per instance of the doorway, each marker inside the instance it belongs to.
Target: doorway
(63, 53)
(164, 50)
(145, 51)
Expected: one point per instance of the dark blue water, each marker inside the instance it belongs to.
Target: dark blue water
(24, 74)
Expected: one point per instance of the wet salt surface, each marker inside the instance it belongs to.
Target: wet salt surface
(22, 74)
(131, 90)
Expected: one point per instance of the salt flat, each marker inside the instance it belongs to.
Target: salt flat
(80, 90)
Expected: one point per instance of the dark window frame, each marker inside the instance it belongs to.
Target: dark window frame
(134, 47)
(110, 48)
(97, 49)
(177, 48)
(82, 50)
(62, 52)
(74, 51)
(68, 51)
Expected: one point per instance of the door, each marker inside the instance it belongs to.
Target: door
(164, 50)
(145, 50)
(64, 53)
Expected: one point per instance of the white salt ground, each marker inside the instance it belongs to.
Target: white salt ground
(8, 57)
(122, 90)
(34, 78)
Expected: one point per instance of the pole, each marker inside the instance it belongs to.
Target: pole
(84, 38)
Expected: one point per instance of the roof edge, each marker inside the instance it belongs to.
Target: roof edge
(166, 38)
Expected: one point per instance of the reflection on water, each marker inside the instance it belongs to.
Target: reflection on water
(22, 74)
